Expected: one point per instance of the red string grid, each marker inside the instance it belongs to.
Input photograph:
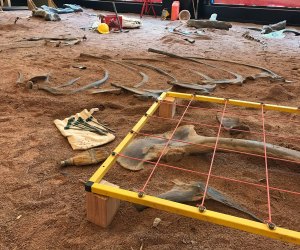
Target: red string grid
(210, 174)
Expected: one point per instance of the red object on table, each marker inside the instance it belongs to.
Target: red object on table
(147, 6)
(175, 11)
(111, 21)
(278, 3)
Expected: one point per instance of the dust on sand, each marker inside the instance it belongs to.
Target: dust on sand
(51, 201)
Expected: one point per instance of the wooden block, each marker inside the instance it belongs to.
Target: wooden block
(101, 209)
(167, 107)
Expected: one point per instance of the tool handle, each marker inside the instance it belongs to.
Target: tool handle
(115, 10)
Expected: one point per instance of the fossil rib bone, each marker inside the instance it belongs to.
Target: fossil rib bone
(193, 59)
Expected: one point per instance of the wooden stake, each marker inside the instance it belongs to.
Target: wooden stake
(101, 209)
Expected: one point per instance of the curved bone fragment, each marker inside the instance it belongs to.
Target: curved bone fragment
(238, 78)
(270, 73)
(149, 149)
(93, 84)
(145, 78)
(53, 91)
(232, 124)
(159, 70)
(206, 77)
(192, 192)
(205, 89)
(144, 81)
(111, 90)
(69, 83)
(58, 91)
(40, 78)
(295, 32)
(140, 92)
(193, 59)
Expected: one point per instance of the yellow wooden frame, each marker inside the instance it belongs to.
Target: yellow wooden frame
(250, 226)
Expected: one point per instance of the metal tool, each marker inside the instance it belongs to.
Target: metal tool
(92, 119)
(81, 124)
(115, 10)
(81, 121)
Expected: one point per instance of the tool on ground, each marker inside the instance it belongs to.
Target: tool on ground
(82, 139)
(115, 10)
(92, 119)
(88, 157)
(189, 40)
(80, 123)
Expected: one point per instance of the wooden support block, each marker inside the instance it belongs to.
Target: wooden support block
(101, 209)
(167, 107)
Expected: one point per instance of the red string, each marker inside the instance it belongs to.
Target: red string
(233, 129)
(213, 156)
(233, 113)
(166, 146)
(212, 175)
(266, 164)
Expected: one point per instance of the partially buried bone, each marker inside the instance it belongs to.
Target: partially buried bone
(191, 192)
(149, 149)
(233, 124)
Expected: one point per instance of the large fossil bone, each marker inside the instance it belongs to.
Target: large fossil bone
(209, 24)
(149, 149)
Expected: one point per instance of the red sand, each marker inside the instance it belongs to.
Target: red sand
(43, 206)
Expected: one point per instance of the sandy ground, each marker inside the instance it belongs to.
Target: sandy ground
(43, 206)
